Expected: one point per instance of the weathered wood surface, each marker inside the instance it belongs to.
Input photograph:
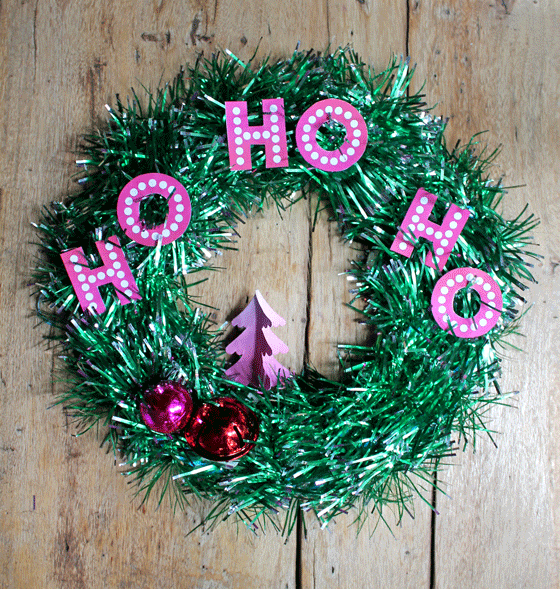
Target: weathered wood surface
(67, 518)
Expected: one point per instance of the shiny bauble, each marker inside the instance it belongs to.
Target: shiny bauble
(222, 430)
(167, 407)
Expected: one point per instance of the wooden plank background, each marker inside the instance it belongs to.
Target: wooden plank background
(67, 518)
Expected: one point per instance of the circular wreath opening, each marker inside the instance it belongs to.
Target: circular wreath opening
(367, 440)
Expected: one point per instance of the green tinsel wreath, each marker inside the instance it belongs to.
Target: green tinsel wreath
(377, 434)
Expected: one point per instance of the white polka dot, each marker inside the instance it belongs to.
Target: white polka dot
(113, 256)
(483, 322)
(145, 234)
(276, 148)
(174, 227)
(473, 327)
(430, 231)
(312, 120)
(136, 229)
(116, 265)
(449, 233)
(307, 128)
(142, 186)
(166, 233)
(402, 245)
(412, 227)
(334, 161)
(421, 226)
(273, 108)
(128, 211)
(133, 192)
(110, 272)
(275, 128)
(343, 158)
(236, 110)
(91, 279)
(459, 278)
(444, 290)
(120, 274)
(152, 183)
(178, 198)
(470, 277)
(450, 282)
(458, 216)
(274, 119)
(130, 221)
(74, 259)
(256, 134)
(356, 142)
(124, 283)
(350, 151)
(347, 115)
(419, 210)
(438, 235)
(328, 108)
(240, 161)
(338, 110)
(101, 276)
(81, 277)
(238, 130)
(308, 147)
(357, 133)
(354, 123)
(486, 287)
(424, 200)
(247, 135)
(266, 134)
(239, 151)
(276, 159)
(128, 201)
(415, 218)
(463, 328)
(237, 121)
(441, 300)
(178, 218)
(179, 208)
(170, 189)
(85, 287)
(128, 293)
(89, 296)
(324, 159)
(479, 280)
(275, 139)
(453, 225)
(489, 314)
(442, 309)
(314, 155)
(319, 112)
(239, 141)
(444, 242)
(491, 296)
(77, 268)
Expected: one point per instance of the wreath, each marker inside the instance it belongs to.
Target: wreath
(438, 283)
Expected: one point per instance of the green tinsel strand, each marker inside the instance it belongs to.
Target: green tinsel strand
(372, 438)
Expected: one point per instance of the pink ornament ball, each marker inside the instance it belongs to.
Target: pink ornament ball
(167, 407)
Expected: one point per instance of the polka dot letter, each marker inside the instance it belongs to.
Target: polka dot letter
(417, 224)
(86, 281)
(271, 134)
(490, 296)
(139, 188)
(352, 147)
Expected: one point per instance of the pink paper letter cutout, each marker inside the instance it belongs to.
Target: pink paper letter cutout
(128, 209)
(444, 294)
(256, 345)
(86, 281)
(354, 143)
(271, 134)
(417, 222)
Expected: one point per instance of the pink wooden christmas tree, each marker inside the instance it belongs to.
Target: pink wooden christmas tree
(257, 345)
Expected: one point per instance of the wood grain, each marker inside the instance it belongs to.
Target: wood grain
(67, 518)
(495, 66)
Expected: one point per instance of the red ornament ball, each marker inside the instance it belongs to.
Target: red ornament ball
(167, 407)
(223, 430)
